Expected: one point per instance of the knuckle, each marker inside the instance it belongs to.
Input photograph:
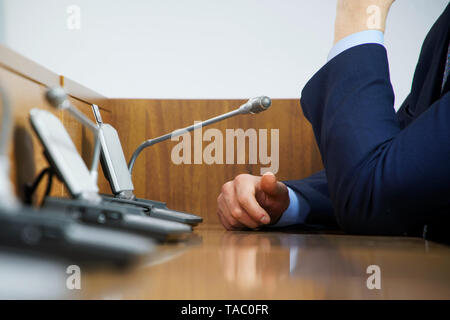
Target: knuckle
(226, 187)
(240, 178)
(243, 200)
(236, 213)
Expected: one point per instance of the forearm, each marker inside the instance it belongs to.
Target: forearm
(382, 180)
(358, 15)
(353, 117)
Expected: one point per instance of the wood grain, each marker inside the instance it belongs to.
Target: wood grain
(282, 265)
(195, 187)
(186, 187)
(25, 83)
(26, 68)
(27, 157)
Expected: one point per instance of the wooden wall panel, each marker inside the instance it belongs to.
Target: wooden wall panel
(25, 83)
(187, 187)
(195, 187)
(27, 157)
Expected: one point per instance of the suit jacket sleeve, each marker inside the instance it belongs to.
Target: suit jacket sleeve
(314, 189)
(381, 179)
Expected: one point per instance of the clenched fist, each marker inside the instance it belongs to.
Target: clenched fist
(251, 201)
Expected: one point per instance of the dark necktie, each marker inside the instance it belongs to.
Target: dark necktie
(447, 69)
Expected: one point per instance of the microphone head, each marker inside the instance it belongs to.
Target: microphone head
(265, 102)
(57, 97)
(256, 105)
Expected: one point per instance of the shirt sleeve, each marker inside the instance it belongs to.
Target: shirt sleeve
(297, 211)
(356, 39)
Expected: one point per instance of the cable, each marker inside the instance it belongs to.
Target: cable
(30, 190)
(48, 189)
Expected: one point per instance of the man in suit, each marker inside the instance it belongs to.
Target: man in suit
(385, 172)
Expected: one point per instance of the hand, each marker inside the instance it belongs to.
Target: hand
(358, 15)
(251, 201)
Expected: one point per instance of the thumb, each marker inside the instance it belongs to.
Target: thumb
(270, 185)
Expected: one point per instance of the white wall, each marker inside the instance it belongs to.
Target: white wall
(200, 48)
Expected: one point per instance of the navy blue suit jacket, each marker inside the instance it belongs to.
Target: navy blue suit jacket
(385, 173)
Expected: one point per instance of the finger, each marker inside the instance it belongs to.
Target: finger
(220, 213)
(226, 212)
(270, 185)
(231, 208)
(222, 220)
(235, 212)
(245, 194)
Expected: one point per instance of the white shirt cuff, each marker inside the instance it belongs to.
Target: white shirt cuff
(356, 39)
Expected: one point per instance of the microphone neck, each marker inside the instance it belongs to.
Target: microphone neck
(179, 132)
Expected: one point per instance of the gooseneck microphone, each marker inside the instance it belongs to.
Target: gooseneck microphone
(58, 98)
(256, 105)
(252, 106)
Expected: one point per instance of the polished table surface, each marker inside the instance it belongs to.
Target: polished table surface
(217, 264)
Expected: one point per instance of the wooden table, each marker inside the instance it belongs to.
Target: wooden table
(281, 265)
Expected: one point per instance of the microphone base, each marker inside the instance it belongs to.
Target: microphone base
(122, 217)
(45, 232)
(156, 209)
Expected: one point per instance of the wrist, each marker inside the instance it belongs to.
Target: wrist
(354, 16)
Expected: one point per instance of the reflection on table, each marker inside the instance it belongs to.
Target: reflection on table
(217, 264)
(287, 265)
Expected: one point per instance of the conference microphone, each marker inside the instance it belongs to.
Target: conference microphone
(252, 106)
(256, 105)
(58, 98)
